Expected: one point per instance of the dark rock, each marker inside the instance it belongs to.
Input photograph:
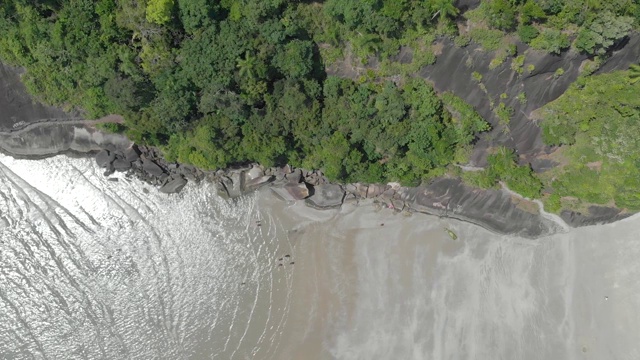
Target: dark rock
(104, 158)
(152, 168)
(174, 185)
(292, 192)
(295, 176)
(223, 184)
(492, 209)
(132, 154)
(597, 215)
(120, 164)
(326, 196)
(258, 182)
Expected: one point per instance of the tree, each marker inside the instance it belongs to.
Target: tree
(246, 66)
(445, 8)
(501, 14)
(159, 11)
(602, 33)
(295, 60)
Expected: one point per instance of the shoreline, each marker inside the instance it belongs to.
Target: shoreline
(498, 211)
(494, 210)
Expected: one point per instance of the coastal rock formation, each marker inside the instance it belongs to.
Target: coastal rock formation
(326, 196)
(292, 192)
(596, 215)
(174, 185)
(492, 209)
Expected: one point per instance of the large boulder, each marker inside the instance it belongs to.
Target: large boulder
(132, 154)
(292, 192)
(326, 196)
(253, 173)
(121, 164)
(151, 167)
(174, 185)
(295, 176)
(104, 158)
(251, 185)
(237, 183)
(375, 190)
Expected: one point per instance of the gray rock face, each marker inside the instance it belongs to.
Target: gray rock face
(375, 190)
(174, 185)
(597, 215)
(295, 176)
(120, 164)
(253, 173)
(256, 183)
(237, 181)
(104, 158)
(151, 167)
(132, 154)
(326, 196)
(491, 209)
(292, 192)
(18, 107)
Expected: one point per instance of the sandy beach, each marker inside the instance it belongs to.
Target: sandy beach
(112, 269)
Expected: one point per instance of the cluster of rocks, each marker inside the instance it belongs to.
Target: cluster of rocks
(293, 184)
(148, 165)
(492, 209)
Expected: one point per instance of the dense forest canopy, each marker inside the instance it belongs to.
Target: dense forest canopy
(220, 82)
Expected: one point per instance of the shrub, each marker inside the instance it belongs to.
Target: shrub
(517, 64)
(552, 203)
(462, 40)
(527, 33)
(551, 40)
(489, 39)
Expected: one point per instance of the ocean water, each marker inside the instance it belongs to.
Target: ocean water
(93, 268)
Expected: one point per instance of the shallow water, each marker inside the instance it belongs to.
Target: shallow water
(92, 268)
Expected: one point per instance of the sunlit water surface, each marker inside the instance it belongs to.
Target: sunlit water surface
(92, 268)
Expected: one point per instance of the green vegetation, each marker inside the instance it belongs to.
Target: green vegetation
(229, 81)
(220, 82)
(502, 166)
(517, 64)
(504, 113)
(548, 25)
(599, 118)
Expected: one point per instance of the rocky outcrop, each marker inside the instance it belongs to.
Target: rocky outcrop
(326, 196)
(18, 107)
(147, 164)
(495, 210)
(596, 215)
(40, 140)
(173, 185)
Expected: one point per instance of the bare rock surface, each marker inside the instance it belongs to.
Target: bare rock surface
(326, 196)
